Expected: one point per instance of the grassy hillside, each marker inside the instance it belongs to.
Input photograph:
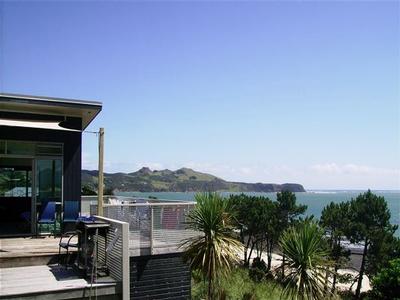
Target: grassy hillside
(182, 180)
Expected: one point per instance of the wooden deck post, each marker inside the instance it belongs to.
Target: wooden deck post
(101, 174)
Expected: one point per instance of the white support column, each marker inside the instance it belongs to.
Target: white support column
(151, 230)
(123, 229)
(125, 262)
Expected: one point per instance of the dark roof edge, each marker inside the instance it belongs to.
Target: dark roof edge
(53, 100)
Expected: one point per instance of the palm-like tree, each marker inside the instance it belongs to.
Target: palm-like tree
(216, 248)
(306, 264)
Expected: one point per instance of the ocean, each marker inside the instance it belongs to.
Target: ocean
(315, 200)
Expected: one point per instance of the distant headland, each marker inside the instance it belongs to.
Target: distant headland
(181, 180)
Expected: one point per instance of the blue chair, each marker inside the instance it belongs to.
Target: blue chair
(47, 214)
(71, 211)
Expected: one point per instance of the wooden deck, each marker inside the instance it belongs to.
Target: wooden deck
(52, 282)
(29, 246)
(29, 270)
(18, 252)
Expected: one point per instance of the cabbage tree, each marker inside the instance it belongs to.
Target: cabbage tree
(216, 248)
(306, 261)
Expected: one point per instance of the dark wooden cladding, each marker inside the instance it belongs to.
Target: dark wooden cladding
(163, 276)
(72, 162)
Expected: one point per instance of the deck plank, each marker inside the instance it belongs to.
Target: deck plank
(41, 279)
(28, 247)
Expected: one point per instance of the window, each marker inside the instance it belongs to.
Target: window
(48, 179)
(15, 182)
(11, 147)
(2, 147)
(20, 148)
(49, 149)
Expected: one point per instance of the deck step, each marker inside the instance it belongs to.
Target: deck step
(32, 260)
(29, 251)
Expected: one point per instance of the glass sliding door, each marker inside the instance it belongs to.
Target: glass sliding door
(31, 174)
(48, 186)
(15, 196)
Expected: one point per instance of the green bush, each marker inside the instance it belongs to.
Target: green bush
(386, 284)
(258, 270)
(88, 191)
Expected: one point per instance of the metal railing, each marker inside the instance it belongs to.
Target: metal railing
(87, 201)
(154, 228)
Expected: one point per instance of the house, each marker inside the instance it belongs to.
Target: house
(40, 151)
(40, 162)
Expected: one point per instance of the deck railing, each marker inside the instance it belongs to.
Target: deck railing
(154, 228)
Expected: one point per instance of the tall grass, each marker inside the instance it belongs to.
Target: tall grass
(238, 285)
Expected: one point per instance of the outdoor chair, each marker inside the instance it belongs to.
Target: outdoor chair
(71, 212)
(47, 215)
(66, 243)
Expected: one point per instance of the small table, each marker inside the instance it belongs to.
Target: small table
(86, 240)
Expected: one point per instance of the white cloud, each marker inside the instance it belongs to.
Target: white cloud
(319, 176)
(88, 162)
(246, 170)
(248, 173)
(352, 169)
(329, 175)
(152, 165)
(352, 176)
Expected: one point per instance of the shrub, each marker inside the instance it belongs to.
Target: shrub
(258, 270)
(88, 191)
(386, 284)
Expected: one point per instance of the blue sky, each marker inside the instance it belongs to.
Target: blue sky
(285, 91)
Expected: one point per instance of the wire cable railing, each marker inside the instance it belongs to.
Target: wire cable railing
(154, 228)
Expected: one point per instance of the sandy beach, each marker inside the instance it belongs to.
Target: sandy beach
(277, 260)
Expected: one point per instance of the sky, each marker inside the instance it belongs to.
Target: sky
(266, 91)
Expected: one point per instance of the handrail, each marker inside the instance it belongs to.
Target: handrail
(128, 198)
(151, 204)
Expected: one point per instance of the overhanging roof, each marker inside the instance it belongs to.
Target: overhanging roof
(47, 106)
(34, 124)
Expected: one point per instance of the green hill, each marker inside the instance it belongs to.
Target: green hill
(181, 180)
